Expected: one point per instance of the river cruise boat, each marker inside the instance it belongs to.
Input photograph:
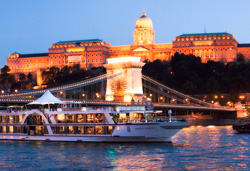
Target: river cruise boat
(127, 124)
(62, 122)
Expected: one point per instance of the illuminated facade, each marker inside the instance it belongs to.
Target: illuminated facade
(94, 52)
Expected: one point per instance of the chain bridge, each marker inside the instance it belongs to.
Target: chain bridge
(126, 82)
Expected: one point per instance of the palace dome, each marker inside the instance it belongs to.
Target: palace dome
(144, 22)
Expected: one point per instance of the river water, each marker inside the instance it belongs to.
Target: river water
(193, 148)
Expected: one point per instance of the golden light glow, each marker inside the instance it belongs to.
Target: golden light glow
(2, 91)
(61, 117)
(212, 101)
(83, 95)
(61, 92)
(242, 97)
(173, 100)
(150, 95)
(222, 97)
(161, 98)
(124, 59)
(202, 43)
(127, 98)
(16, 90)
(75, 49)
(186, 100)
(216, 97)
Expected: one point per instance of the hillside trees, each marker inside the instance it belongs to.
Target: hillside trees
(189, 75)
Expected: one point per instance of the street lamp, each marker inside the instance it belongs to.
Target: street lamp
(16, 90)
(2, 91)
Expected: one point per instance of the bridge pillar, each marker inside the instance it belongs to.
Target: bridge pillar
(128, 85)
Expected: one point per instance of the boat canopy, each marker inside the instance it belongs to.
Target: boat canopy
(47, 98)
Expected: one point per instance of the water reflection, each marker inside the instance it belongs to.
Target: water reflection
(194, 148)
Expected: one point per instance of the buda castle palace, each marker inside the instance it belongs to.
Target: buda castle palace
(93, 52)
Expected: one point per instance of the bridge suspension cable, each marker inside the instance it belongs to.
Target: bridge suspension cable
(175, 94)
(67, 86)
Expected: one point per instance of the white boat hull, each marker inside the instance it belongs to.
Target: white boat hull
(147, 132)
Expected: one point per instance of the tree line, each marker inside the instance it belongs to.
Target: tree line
(69, 74)
(187, 74)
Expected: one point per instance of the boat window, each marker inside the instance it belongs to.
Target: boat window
(110, 129)
(40, 130)
(70, 118)
(79, 130)
(115, 117)
(3, 129)
(54, 129)
(11, 129)
(89, 130)
(19, 119)
(61, 130)
(80, 118)
(90, 118)
(123, 117)
(60, 118)
(17, 129)
(34, 119)
(7, 119)
(99, 118)
(70, 130)
(3, 119)
(11, 119)
(152, 116)
(99, 130)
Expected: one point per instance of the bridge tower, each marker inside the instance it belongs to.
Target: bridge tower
(128, 85)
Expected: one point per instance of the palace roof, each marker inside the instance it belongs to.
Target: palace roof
(33, 55)
(204, 34)
(244, 45)
(79, 41)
